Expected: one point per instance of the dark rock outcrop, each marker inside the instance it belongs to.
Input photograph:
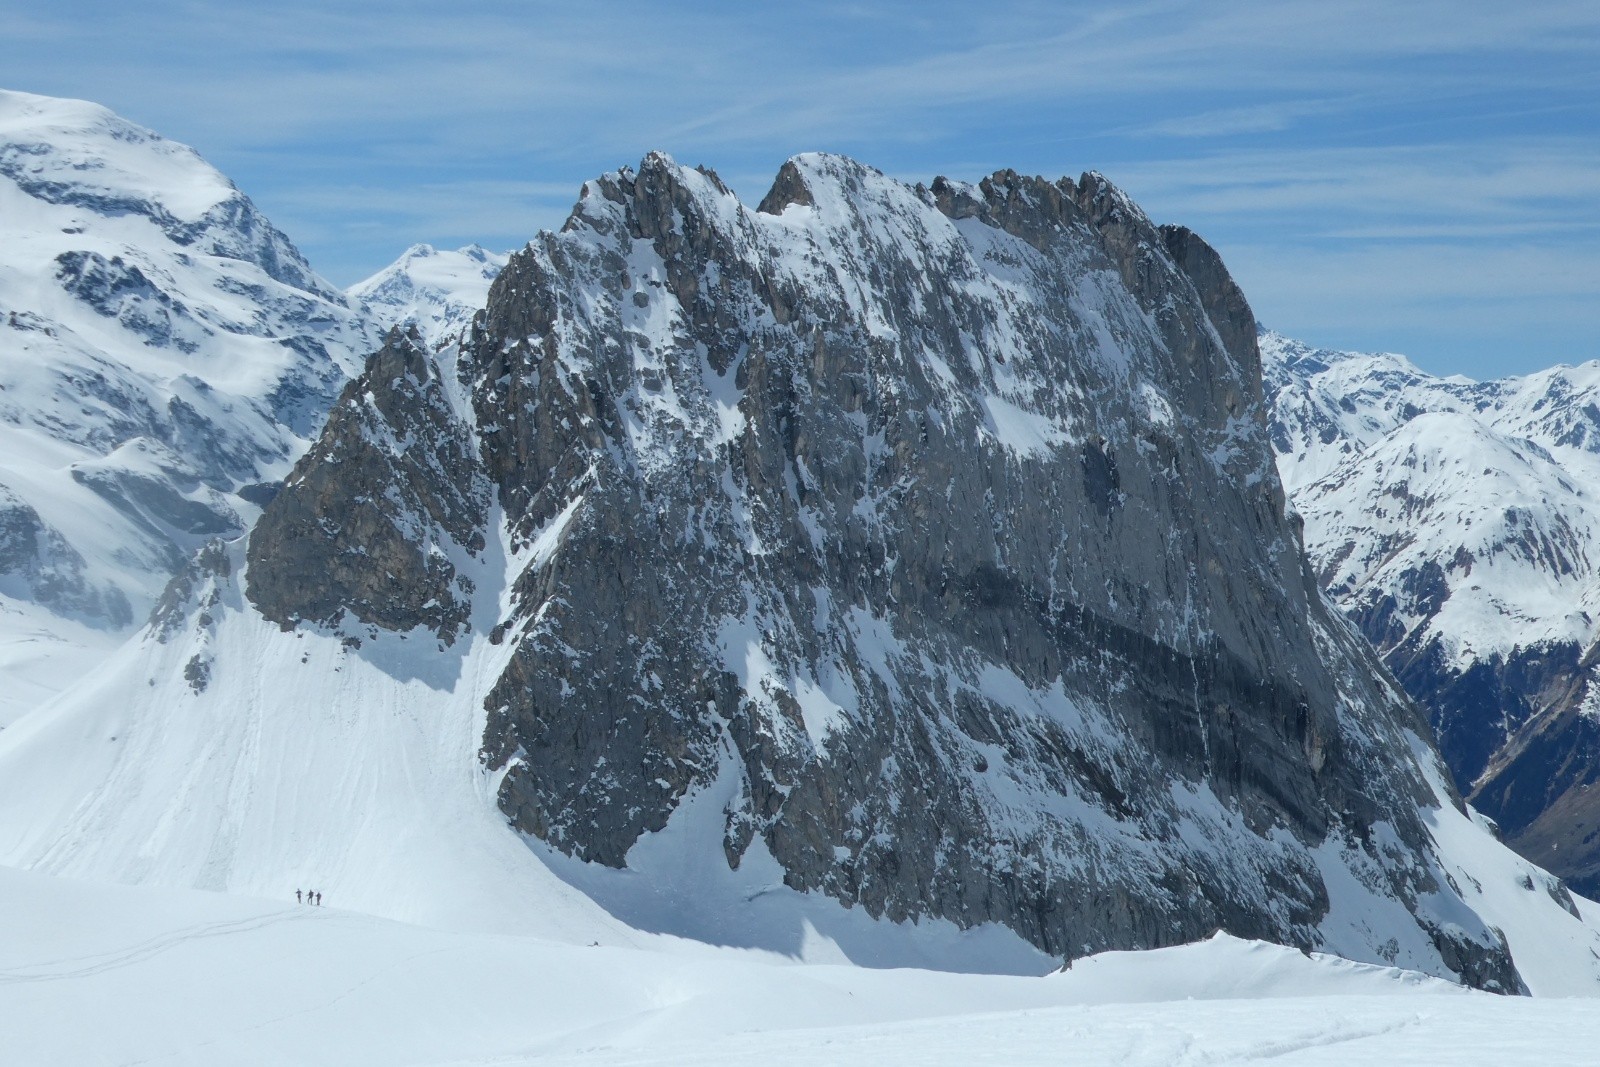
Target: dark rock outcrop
(936, 527)
(373, 520)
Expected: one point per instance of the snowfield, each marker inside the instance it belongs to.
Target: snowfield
(1490, 481)
(180, 976)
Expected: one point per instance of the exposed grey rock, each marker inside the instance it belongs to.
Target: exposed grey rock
(192, 590)
(259, 493)
(120, 291)
(938, 525)
(197, 672)
(372, 517)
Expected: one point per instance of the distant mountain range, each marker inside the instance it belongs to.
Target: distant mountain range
(1458, 524)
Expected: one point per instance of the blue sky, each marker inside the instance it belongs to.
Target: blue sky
(1412, 176)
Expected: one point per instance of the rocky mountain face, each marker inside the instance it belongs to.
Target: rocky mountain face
(393, 427)
(434, 290)
(165, 355)
(1457, 523)
(933, 531)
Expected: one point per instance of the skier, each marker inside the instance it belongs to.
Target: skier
(297, 899)
(319, 898)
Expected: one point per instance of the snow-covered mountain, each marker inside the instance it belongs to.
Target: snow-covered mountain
(436, 291)
(1458, 523)
(164, 355)
(889, 572)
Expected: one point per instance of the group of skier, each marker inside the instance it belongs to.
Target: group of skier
(308, 896)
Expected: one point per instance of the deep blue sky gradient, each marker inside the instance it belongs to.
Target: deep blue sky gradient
(1419, 177)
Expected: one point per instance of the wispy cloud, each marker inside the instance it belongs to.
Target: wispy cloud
(1512, 310)
(1468, 259)
(1257, 118)
(1550, 179)
(1324, 128)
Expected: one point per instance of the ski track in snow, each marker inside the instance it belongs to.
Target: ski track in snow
(86, 966)
(212, 978)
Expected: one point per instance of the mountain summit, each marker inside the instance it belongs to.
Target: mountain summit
(434, 290)
(923, 545)
(167, 353)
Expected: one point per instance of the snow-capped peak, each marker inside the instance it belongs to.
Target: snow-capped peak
(1457, 522)
(436, 291)
(81, 156)
(56, 146)
(166, 350)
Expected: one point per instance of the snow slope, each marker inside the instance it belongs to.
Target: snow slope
(164, 351)
(186, 977)
(1512, 527)
(434, 290)
(350, 770)
(42, 654)
(1494, 481)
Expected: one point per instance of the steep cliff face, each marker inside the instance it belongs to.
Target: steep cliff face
(936, 530)
(389, 499)
(1455, 521)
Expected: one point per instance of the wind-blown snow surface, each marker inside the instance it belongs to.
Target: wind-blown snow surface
(163, 349)
(343, 769)
(184, 977)
(1458, 523)
(435, 290)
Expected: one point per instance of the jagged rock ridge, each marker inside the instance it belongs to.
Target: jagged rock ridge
(939, 526)
(392, 427)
